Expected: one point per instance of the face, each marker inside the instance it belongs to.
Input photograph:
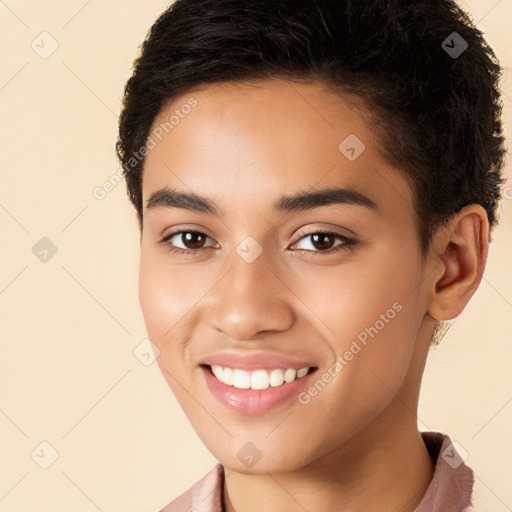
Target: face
(277, 238)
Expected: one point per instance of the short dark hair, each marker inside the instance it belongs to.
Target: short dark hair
(437, 114)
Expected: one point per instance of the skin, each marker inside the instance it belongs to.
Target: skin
(244, 146)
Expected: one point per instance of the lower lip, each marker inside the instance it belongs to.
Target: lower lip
(252, 401)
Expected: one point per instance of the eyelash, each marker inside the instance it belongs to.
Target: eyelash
(347, 244)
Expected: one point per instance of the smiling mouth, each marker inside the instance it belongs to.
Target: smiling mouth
(259, 379)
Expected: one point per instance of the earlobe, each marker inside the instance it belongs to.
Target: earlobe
(461, 254)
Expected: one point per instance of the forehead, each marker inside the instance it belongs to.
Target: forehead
(248, 142)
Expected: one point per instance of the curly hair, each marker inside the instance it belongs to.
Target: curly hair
(437, 114)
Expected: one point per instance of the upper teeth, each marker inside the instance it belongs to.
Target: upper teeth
(258, 379)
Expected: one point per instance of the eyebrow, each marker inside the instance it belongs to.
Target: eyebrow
(302, 201)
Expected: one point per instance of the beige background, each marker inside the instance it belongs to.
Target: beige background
(69, 325)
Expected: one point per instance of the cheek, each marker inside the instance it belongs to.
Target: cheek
(160, 308)
(371, 314)
(165, 294)
(170, 297)
(371, 355)
(163, 301)
(164, 306)
(348, 298)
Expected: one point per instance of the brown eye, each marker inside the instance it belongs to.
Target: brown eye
(323, 242)
(186, 241)
(192, 239)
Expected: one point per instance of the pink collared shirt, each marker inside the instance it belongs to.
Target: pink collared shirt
(450, 490)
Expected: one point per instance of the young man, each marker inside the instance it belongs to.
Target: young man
(315, 184)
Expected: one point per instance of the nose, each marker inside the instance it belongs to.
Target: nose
(251, 299)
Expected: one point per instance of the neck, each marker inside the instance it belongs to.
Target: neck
(377, 470)
(385, 467)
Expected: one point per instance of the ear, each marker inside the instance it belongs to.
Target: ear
(460, 253)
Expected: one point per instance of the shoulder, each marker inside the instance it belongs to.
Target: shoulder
(204, 495)
(456, 486)
(484, 500)
(452, 482)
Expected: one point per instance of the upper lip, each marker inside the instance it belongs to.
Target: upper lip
(250, 361)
